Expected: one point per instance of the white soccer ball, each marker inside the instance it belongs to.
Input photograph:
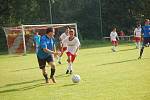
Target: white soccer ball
(76, 78)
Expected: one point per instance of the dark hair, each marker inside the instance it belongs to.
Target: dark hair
(49, 30)
(146, 20)
(138, 25)
(67, 27)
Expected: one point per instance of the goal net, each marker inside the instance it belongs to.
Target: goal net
(20, 38)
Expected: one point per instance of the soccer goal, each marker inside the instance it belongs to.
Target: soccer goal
(20, 38)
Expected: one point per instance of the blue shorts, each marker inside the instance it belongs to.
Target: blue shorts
(42, 62)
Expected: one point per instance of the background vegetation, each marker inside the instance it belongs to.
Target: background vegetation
(90, 15)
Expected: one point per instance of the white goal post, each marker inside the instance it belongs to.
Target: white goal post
(20, 38)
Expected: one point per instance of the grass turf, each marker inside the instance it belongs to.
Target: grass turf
(105, 75)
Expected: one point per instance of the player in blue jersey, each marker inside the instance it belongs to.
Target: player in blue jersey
(146, 36)
(46, 53)
(36, 41)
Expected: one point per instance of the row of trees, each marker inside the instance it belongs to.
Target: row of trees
(90, 15)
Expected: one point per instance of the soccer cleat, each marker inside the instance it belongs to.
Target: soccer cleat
(139, 57)
(59, 62)
(70, 71)
(113, 50)
(53, 79)
(47, 81)
(67, 71)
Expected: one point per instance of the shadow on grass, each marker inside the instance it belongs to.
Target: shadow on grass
(121, 62)
(24, 69)
(23, 88)
(67, 85)
(26, 83)
(62, 75)
(126, 50)
(21, 83)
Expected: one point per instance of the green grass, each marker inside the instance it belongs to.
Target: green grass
(105, 75)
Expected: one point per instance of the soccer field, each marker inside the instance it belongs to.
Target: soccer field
(105, 75)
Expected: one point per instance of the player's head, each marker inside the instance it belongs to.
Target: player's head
(147, 21)
(71, 32)
(36, 33)
(67, 29)
(50, 31)
(138, 26)
(114, 29)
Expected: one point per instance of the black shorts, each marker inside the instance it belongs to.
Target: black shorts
(146, 40)
(42, 62)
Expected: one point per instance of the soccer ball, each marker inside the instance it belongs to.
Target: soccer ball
(76, 78)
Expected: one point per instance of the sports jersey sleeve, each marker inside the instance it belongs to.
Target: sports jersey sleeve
(64, 40)
(111, 36)
(62, 36)
(78, 42)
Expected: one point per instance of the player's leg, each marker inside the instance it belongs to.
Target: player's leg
(53, 69)
(60, 56)
(143, 46)
(69, 62)
(113, 46)
(72, 60)
(42, 64)
(137, 39)
(139, 45)
(51, 62)
(37, 47)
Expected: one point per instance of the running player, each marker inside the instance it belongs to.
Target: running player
(73, 44)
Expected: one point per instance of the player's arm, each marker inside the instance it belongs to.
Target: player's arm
(110, 36)
(78, 46)
(64, 41)
(117, 38)
(44, 46)
(134, 33)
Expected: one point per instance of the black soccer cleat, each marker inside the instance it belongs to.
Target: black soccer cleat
(46, 81)
(53, 79)
(70, 71)
(139, 57)
(59, 62)
(67, 72)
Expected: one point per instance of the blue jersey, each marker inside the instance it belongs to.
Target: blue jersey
(37, 40)
(48, 43)
(146, 31)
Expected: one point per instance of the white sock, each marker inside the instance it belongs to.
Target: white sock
(136, 44)
(113, 47)
(139, 45)
(69, 66)
(59, 58)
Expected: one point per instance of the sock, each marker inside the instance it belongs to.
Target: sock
(45, 76)
(139, 45)
(141, 52)
(113, 47)
(136, 44)
(70, 66)
(59, 58)
(52, 72)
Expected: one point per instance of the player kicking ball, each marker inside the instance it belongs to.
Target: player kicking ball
(46, 53)
(114, 39)
(73, 44)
